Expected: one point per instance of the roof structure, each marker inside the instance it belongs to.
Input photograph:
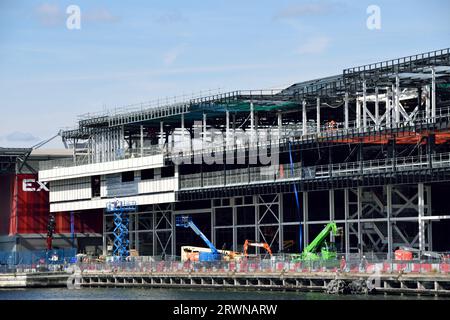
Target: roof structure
(413, 72)
(13, 159)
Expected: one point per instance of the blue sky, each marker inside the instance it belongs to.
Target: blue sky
(128, 52)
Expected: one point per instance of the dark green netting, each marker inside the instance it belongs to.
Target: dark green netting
(218, 110)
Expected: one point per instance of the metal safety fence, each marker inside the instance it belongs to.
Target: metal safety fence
(267, 266)
(13, 260)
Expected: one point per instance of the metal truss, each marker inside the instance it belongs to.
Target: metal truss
(272, 207)
(164, 229)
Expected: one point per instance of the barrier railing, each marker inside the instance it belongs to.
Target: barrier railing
(292, 132)
(283, 172)
(242, 266)
(36, 261)
(274, 265)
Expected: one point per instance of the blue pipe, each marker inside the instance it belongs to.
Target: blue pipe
(296, 200)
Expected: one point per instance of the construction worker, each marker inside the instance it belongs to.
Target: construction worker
(331, 125)
(343, 264)
(363, 264)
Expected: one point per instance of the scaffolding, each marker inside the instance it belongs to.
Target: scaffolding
(121, 211)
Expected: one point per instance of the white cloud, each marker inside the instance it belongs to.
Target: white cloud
(100, 15)
(49, 14)
(171, 17)
(305, 9)
(17, 136)
(172, 55)
(314, 45)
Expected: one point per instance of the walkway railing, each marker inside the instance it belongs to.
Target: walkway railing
(270, 266)
(293, 132)
(259, 264)
(283, 172)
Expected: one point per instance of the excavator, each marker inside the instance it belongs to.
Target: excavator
(249, 243)
(319, 249)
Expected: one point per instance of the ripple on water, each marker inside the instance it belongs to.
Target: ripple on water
(173, 294)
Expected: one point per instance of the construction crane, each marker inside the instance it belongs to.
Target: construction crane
(186, 222)
(249, 243)
(319, 244)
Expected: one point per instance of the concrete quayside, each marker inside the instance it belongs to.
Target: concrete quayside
(394, 283)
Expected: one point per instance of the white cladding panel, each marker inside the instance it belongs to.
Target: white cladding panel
(154, 161)
(101, 203)
(164, 184)
(71, 189)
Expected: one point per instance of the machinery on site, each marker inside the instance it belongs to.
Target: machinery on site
(121, 211)
(190, 253)
(212, 254)
(408, 254)
(319, 249)
(249, 243)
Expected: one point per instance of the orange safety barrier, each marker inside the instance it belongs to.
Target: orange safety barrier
(405, 138)
(426, 267)
(415, 267)
(445, 267)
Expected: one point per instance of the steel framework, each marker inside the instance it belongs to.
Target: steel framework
(374, 140)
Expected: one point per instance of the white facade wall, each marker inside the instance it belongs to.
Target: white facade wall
(101, 203)
(71, 190)
(103, 168)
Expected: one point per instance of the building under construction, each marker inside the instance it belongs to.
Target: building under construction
(368, 149)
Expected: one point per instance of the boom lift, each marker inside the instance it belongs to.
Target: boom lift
(319, 244)
(248, 243)
(186, 222)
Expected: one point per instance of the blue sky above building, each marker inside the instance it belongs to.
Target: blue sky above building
(128, 52)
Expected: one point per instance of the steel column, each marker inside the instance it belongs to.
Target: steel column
(304, 118)
(358, 114)
(182, 147)
(377, 108)
(280, 125)
(232, 203)
(332, 210)
(104, 238)
(433, 94)
(142, 140)
(364, 106)
(280, 223)
(397, 100)
(421, 210)
(388, 108)
(389, 223)
(346, 227)
(429, 213)
(305, 219)
(360, 212)
(161, 133)
(227, 129)
(346, 110)
(318, 115)
(428, 103)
